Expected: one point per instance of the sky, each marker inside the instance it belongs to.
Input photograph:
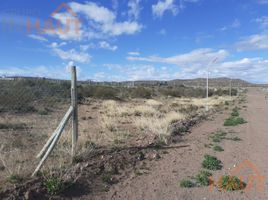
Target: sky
(118, 40)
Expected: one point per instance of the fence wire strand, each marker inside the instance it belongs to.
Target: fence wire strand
(30, 110)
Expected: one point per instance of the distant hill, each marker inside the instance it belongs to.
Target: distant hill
(198, 82)
(213, 82)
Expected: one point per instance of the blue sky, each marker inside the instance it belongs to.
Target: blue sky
(119, 40)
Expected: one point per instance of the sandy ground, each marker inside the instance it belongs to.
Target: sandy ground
(162, 181)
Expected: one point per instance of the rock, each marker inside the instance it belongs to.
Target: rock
(30, 195)
(153, 155)
(27, 195)
(140, 156)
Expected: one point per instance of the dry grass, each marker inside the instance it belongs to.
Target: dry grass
(13, 162)
(149, 116)
(153, 102)
(144, 110)
(202, 102)
(158, 125)
(102, 123)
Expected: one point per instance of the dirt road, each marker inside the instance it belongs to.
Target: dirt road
(162, 181)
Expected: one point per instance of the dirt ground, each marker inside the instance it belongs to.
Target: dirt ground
(145, 176)
(162, 181)
(102, 124)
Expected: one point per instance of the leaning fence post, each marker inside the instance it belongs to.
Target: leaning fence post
(54, 141)
(75, 110)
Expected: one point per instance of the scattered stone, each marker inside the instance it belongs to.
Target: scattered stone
(141, 156)
(153, 155)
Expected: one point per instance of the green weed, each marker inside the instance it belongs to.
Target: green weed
(211, 163)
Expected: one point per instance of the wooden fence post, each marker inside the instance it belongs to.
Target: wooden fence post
(75, 110)
(52, 142)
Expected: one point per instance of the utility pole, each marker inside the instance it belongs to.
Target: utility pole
(231, 87)
(207, 87)
(212, 62)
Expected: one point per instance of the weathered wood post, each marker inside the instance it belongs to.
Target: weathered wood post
(51, 143)
(53, 140)
(75, 110)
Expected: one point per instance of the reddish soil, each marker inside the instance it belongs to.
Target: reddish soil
(162, 180)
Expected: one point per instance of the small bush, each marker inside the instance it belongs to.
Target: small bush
(218, 136)
(20, 96)
(141, 92)
(105, 93)
(90, 145)
(235, 112)
(17, 126)
(15, 178)
(234, 121)
(211, 163)
(53, 185)
(202, 178)
(160, 142)
(231, 183)
(107, 179)
(43, 112)
(186, 183)
(218, 148)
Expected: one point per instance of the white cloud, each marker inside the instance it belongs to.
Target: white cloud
(251, 69)
(85, 47)
(164, 5)
(163, 32)
(56, 45)
(69, 65)
(253, 42)
(94, 12)
(224, 28)
(38, 37)
(70, 29)
(134, 53)
(263, 22)
(236, 24)
(197, 58)
(103, 21)
(57, 72)
(106, 45)
(98, 22)
(134, 9)
(72, 55)
(120, 28)
(135, 72)
(262, 1)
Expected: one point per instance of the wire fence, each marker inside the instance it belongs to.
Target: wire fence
(30, 111)
(32, 108)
